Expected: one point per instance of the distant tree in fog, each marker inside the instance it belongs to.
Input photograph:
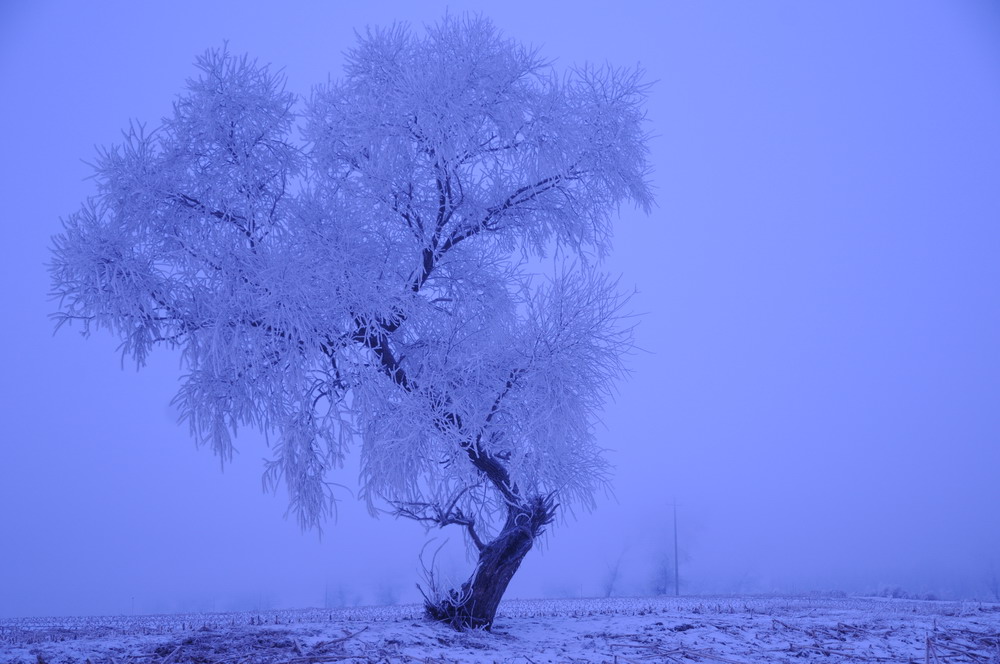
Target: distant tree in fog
(662, 581)
(377, 280)
(612, 577)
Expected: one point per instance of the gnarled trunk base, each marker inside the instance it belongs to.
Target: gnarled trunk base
(475, 604)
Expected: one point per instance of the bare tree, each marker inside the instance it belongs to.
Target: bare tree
(377, 280)
(662, 580)
(613, 575)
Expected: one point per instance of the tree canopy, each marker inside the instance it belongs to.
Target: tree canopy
(408, 261)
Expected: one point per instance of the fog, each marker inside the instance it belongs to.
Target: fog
(818, 378)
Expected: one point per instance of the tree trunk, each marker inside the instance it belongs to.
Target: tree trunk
(475, 604)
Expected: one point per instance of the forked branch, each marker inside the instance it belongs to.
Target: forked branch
(433, 513)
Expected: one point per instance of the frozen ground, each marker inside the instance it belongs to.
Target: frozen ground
(617, 630)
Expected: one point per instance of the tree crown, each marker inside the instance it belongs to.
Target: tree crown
(379, 278)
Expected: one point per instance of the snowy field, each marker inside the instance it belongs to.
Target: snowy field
(617, 630)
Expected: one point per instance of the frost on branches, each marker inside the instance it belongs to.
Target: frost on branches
(365, 267)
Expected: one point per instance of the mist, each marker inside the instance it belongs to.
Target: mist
(816, 298)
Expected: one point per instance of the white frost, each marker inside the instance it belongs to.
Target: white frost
(693, 629)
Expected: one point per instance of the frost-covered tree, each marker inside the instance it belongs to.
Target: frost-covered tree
(368, 269)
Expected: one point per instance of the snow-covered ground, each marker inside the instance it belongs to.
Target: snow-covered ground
(618, 630)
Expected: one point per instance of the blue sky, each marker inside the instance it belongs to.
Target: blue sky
(819, 382)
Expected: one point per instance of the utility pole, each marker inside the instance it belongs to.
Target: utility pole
(677, 578)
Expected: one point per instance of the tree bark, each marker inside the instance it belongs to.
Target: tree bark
(475, 604)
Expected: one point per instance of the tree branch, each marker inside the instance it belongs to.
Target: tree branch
(376, 339)
(432, 513)
(431, 254)
(195, 204)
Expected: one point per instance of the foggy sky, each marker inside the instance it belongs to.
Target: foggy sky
(818, 380)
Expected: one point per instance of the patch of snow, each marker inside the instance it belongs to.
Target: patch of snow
(621, 630)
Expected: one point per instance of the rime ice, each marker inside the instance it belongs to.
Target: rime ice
(419, 273)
